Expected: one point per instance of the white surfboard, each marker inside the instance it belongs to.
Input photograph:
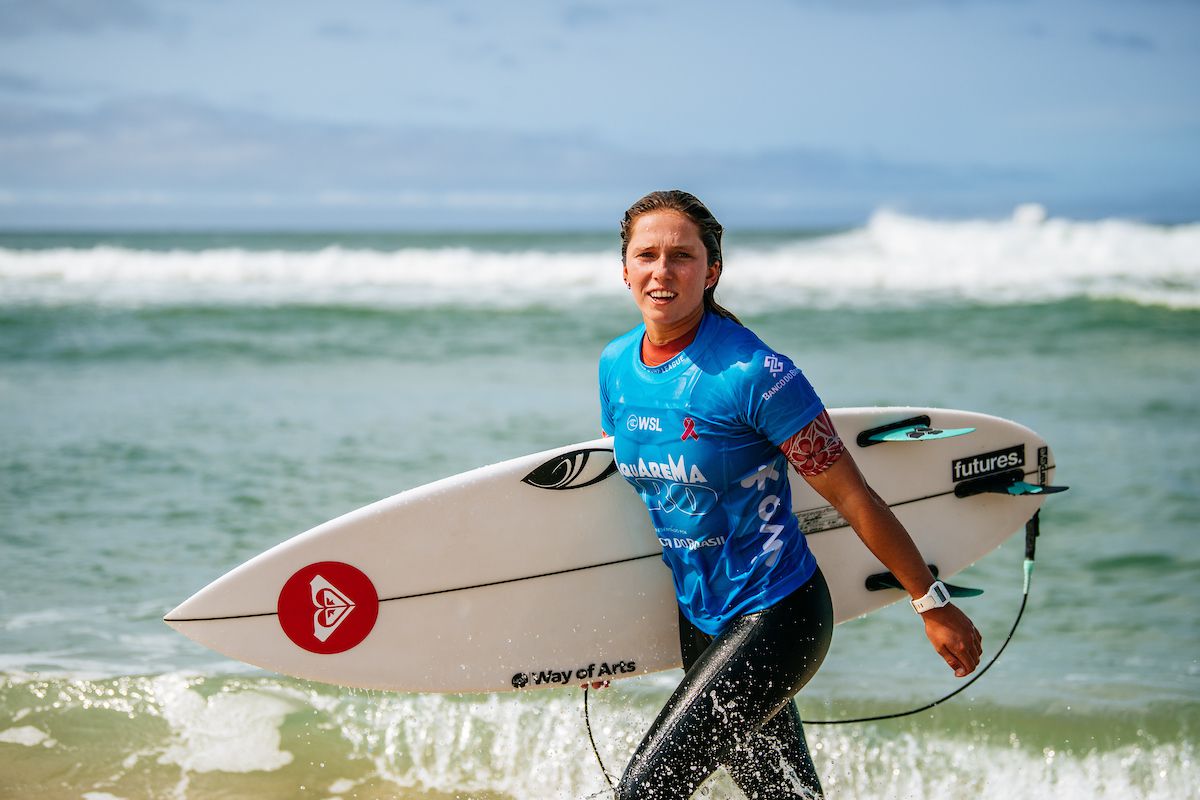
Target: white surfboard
(544, 570)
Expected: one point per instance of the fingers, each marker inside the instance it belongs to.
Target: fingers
(963, 656)
(955, 638)
(595, 685)
(960, 671)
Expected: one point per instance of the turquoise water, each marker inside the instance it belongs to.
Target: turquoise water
(173, 406)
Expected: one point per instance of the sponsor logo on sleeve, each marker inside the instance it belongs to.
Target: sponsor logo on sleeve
(782, 382)
(990, 463)
(773, 363)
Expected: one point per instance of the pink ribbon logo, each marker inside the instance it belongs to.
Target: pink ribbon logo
(689, 430)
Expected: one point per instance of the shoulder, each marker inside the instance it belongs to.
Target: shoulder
(739, 354)
(618, 347)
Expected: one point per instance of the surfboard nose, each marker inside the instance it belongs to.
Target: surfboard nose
(181, 613)
(194, 608)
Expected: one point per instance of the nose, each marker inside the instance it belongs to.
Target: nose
(661, 267)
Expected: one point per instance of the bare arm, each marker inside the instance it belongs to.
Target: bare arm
(833, 473)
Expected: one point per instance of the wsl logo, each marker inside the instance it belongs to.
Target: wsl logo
(638, 423)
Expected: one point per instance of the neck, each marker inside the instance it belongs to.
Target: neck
(657, 351)
(665, 334)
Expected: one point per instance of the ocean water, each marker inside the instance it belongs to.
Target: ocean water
(173, 404)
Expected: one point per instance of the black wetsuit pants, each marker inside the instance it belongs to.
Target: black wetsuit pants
(734, 706)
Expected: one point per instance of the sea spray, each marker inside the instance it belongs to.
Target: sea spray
(182, 735)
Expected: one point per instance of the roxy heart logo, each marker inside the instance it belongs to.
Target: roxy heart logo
(332, 608)
(328, 607)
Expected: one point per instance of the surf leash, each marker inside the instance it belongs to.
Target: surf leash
(1032, 531)
(588, 721)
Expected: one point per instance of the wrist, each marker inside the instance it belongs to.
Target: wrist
(937, 597)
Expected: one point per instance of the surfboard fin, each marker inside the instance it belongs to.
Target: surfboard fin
(914, 429)
(886, 580)
(1021, 487)
(1011, 483)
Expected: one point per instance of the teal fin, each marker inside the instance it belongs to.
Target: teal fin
(1011, 483)
(919, 433)
(1021, 487)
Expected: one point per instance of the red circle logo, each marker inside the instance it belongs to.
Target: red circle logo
(328, 607)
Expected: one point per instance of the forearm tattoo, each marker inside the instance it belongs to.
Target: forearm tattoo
(815, 447)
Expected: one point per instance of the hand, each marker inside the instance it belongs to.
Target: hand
(595, 685)
(954, 637)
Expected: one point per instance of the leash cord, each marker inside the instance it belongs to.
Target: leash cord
(588, 721)
(1032, 531)
(897, 715)
(940, 700)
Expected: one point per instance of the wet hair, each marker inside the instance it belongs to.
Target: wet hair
(689, 206)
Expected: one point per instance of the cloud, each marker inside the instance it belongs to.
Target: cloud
(899, 6)
(584, 15)
(157, 152)
(340, 31)
(24, 18)
(33, 88)
(14, 83)
(1123, 40)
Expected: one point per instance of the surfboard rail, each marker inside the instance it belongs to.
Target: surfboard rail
(543, 570)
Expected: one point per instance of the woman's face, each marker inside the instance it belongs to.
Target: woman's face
(667, 269)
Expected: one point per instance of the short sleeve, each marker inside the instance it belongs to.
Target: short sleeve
(606, 418)
(779, 400)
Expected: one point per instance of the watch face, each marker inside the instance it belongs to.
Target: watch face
(939, 593)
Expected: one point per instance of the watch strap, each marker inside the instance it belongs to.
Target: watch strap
(936, 597)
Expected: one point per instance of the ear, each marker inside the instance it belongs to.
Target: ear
(712, 275)
(625, 273)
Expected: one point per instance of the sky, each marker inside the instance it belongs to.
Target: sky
(534, 114)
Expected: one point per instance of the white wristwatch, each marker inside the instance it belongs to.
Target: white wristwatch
(936, 597)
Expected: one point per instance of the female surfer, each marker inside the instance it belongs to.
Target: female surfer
(705, 419)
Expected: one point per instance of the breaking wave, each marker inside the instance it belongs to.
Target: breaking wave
(895, 261)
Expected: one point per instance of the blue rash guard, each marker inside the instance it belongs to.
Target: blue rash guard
(698, 438)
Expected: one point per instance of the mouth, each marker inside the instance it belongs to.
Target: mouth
(661, 295)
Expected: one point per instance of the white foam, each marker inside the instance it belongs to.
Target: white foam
(937, 768)
(501, 744)
(895, 260)
(535, 746)
(236, 731)
(1027, 257)
(342, 786)
(27, 736)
